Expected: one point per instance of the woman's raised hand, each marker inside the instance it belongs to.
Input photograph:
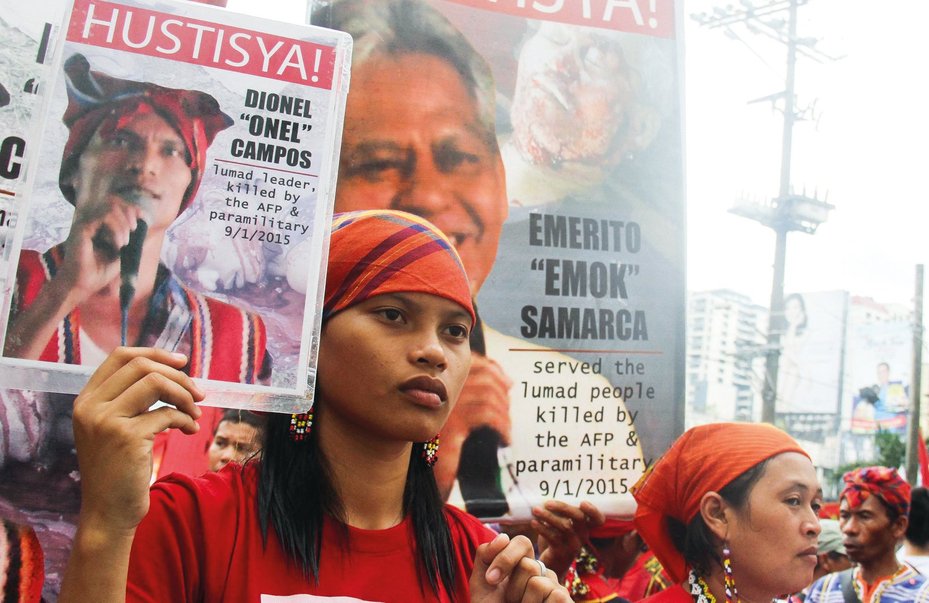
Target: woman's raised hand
(563, 529)
(114, 430)
(506, 571)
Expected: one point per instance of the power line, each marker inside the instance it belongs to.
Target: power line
(788, 211)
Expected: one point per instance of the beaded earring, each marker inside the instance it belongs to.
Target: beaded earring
(300, 425)
(732, 593)
(430, 452)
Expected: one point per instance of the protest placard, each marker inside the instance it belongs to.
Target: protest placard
(221, 134)
(545, 139)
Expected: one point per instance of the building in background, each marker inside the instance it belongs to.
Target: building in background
(725, 347)
(844, 376)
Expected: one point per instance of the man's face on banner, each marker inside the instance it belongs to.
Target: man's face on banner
(141, 161)
(574, 94)
(413, 142)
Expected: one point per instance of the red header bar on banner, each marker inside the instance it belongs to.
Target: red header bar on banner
(207, 43)
(648, 17)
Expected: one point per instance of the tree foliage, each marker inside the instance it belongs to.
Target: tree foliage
(891, 452)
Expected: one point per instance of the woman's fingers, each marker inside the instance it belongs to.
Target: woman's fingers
(128, 383)
(153, 422)
(532, 582)
(559, 515)
(114, 430)
(139, 377)
(507, 557)
(123, 355)
(593, 516)
(506, 571)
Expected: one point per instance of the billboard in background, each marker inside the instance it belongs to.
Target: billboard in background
(877, 385)
(810, 367)
(878, 371)
(811, 352)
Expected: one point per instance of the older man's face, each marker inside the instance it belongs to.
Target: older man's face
(413, 142)
(867, 531)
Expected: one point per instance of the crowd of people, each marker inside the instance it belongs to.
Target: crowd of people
(343, 501)
(731, 512)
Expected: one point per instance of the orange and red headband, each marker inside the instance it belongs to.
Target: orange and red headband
(883, 482)
(97, 100)
(382, 251)
(704, 459)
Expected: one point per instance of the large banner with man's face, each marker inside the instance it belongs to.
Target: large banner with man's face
(545, 139)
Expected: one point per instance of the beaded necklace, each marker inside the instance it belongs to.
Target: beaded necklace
(699, 589)
(879, 588)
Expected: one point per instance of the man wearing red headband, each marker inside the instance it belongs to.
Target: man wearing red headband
(133, 161)
(135, 153)
(873, 511)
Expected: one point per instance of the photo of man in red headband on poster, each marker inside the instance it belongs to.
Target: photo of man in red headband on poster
(132, 163)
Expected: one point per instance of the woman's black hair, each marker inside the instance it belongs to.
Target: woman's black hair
(295, 493)
(695, 540)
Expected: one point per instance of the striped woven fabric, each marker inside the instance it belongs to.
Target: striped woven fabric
(22, 564)
(374, 252)
(906, 586)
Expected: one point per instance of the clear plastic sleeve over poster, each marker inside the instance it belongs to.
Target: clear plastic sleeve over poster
(176, 192)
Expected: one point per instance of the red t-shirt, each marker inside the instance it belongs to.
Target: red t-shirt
(201, 541)
(634, 583)
(672, 594)
(645, 577)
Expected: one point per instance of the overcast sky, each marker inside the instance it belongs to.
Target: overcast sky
(865, 147)
(864, 150)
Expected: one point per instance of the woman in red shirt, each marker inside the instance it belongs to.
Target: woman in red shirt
(343, 502)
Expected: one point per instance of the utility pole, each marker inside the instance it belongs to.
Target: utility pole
(787, 211)
(913, 432)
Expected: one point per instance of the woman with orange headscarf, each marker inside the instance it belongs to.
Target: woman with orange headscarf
(731, 513)
(342, 503)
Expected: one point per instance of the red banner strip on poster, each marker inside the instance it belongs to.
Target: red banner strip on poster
(649, 17)
(172, 36)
